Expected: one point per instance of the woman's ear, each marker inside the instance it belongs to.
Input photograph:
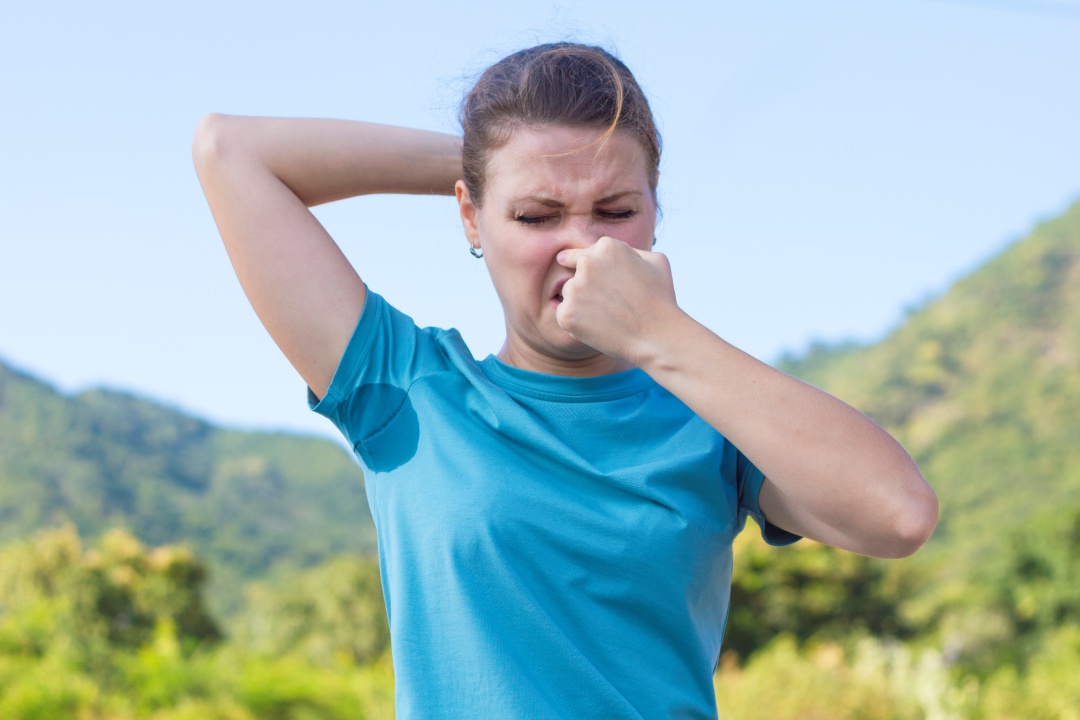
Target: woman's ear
(469, 213)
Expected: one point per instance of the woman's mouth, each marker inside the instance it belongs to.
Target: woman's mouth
(557, 295)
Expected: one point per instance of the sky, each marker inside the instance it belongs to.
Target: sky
(827, 166)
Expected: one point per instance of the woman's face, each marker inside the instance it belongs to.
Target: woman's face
(547, 190)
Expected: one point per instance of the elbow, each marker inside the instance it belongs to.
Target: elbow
(210, 141)
(914, 520)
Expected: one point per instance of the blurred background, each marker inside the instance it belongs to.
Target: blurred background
(875, 197)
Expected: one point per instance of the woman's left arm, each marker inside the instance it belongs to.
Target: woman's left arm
(832, 474)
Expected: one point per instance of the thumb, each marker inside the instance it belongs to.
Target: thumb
(568, 258)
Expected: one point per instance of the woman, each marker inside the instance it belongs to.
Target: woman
(554, 523)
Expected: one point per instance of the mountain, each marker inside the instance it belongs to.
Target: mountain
(982, 385)
(250, 503)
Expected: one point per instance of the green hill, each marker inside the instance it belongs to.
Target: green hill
(982, 385)
(249, 503)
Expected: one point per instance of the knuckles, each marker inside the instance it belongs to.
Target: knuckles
(606, 288)
(566, 317)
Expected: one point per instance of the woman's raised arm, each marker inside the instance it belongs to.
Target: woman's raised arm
(260, 176)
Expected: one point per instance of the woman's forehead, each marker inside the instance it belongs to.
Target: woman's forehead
(553, 160)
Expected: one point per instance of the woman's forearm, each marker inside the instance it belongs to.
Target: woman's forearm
(325, 160)
(833, 474)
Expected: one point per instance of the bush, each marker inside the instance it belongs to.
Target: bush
(865, 679)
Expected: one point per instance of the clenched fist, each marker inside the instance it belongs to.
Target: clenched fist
(620, 299)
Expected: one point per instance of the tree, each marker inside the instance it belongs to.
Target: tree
(56, 596)
(811, 591)
(332, 613)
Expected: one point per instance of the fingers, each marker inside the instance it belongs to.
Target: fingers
(615, 296)
(570, 258)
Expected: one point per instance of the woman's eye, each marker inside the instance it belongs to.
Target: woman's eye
(616, 214)
(532, 219)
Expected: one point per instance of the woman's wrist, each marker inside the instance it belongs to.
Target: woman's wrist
(661, 348)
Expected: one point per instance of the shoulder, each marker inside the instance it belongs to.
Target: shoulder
(387, 349)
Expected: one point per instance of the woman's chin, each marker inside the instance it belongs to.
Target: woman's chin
(558, 353)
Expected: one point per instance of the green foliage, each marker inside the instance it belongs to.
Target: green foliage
(56, 598)
(70, 648)
(249, 503)
(981, 386)
(332, 614)
(1047, 690)
(120, 631)
(823, 683)
(867, 679)
(288, 689)
(44, 690)
(811, 591)
(1037, 586)
(1021, 598)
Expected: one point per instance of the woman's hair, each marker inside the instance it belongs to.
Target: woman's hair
(556, 84)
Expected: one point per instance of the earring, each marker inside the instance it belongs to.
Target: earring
(654, 241)
(476, 252)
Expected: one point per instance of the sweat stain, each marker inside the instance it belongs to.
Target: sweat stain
(391, 427)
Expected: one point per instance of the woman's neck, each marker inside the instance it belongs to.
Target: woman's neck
(528, 358)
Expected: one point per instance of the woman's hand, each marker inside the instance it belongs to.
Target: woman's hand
(619, 300)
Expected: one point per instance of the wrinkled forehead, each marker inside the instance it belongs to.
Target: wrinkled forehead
(557, 160)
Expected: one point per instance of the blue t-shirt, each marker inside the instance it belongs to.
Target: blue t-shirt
(550, 547)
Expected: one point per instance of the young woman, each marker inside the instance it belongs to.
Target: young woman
(554, 522)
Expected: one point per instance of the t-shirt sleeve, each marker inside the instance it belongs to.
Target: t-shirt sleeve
(749, 481)
(368, 397)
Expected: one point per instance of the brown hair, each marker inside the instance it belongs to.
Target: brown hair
(554, 84)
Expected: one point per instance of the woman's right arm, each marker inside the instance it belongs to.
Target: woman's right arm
(260, 176)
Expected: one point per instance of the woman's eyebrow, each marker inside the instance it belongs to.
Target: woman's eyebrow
(553, 203)
(617, 196)
(540, 199)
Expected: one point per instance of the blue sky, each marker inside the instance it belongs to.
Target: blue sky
(827, 164)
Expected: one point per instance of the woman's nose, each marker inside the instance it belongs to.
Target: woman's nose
(578, 233)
